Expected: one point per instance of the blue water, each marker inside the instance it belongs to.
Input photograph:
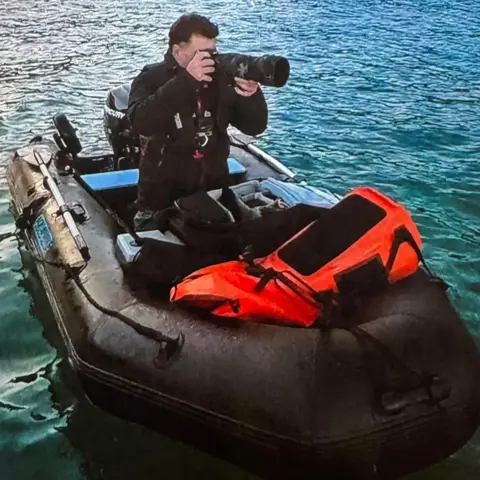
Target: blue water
(382, 93)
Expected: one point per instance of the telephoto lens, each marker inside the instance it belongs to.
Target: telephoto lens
(268, 70)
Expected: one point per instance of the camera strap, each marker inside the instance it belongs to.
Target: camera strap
(204, 127)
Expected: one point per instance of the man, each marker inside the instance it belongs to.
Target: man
(181, 109)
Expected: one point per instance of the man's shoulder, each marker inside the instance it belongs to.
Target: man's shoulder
(151, 77)
(154, 70)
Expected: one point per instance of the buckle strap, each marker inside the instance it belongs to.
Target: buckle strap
(403, 235)
(266, 275)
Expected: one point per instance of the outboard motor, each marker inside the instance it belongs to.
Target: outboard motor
(125, 144)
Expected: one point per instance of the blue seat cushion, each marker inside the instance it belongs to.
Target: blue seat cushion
(110, 180)
(235, 167)
(129, 178)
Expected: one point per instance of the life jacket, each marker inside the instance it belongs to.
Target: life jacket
(363, 243)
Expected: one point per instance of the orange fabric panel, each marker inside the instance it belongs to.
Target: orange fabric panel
(377, 241)
(228, 290)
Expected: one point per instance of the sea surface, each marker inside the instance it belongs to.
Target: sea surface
(382, 93)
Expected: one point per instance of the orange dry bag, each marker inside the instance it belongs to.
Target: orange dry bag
(364, 242)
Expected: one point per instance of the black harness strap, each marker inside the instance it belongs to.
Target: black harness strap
(392, 388)
(402, 235)
(6, 236)
(266, 275)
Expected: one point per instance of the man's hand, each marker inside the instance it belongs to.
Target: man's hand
(245, 88)
(200, 66)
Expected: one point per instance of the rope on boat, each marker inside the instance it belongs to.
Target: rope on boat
(169, 346)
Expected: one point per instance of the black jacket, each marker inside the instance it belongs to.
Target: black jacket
(161, 111)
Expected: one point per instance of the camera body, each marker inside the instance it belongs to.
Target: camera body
(268, 70)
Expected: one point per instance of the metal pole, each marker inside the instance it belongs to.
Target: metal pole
(63, 208)
(273, 162)
(259, 153)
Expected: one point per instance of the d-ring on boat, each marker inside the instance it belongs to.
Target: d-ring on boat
(389, 390)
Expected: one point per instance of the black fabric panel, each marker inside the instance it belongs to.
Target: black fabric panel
(264, 235)
(328, 237)
(365, 277)
(230, 201)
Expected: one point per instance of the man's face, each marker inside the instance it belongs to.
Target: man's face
(185, 51)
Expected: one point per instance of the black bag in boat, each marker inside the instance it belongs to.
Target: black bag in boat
(166, 263)
(213, 233)
(228, 226)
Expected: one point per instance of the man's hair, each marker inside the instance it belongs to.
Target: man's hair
(188, 25)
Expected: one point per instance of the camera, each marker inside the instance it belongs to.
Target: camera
(268, 70)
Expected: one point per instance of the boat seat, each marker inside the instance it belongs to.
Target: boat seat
(126, 248)
(119, 96)
(129, 178)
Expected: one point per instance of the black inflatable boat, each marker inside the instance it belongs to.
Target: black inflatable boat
(397, 393)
